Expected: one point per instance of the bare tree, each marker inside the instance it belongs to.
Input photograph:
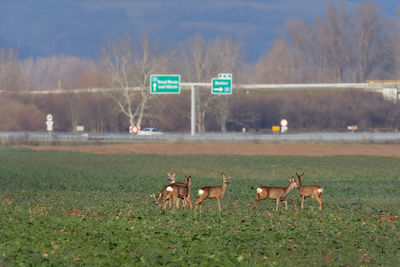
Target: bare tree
(341, 46)
(55, 72)
(129, 68)
(396, 47)
(202, 62)
(227, 56)
(11, 77)
(196, 68)
(371, 35)
(277, 66)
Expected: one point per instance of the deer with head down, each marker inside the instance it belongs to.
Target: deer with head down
(278, 193)
(171, 180)
(174, 192)
(305, 191)
(213, 192)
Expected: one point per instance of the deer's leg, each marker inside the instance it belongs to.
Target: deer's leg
(165, 199)
(285, 204)
(255, 204)
(198, 203)
(170, 203)
(277, 203)
(302, 201)
(175, 201)
(219, 204)
(320, 202)
(256, 201)
(190, 202)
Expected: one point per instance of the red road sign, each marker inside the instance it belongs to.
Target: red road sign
(49, 117)
(134, 129)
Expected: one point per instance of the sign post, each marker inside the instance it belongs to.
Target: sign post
(49, 124)
(193, 112)
(165, 84)
(284, 127)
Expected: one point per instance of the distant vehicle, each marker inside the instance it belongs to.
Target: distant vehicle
(149, 131)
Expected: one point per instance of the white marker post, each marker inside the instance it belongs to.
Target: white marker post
(284, 127)
(49, 124)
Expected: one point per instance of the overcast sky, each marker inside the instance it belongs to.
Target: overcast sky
(79, 27)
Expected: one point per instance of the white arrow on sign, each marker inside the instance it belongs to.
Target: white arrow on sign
(154, 86)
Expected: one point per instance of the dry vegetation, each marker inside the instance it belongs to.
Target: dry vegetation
(342, 45)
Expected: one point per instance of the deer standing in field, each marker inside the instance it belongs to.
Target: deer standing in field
(217, 192)
(178, 190)
(174, 192)
(171, 180)
(313, 191)
(278, 193)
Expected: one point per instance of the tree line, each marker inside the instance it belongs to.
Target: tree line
(343, 45)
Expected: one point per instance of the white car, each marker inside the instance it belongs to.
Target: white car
(149, 131)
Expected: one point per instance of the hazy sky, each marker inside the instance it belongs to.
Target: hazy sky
(79, 27)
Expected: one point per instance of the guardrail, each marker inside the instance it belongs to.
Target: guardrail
(372, 137)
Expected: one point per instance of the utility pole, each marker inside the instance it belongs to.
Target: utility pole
(193, 111)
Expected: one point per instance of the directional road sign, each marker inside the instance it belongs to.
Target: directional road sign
(225, 76)
(165, 84)
(221, 86)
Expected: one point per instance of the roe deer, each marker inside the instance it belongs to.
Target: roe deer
(217, 192)
(178, 190)
(174, 192)
(278, 193)
(171, 180)
(313, 191)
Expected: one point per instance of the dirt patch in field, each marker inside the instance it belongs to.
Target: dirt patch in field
(281, 149)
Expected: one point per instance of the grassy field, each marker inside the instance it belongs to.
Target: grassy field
(75, 208)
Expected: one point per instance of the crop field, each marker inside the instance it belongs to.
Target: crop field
(75, 208)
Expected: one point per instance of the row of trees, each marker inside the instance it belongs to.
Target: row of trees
(345, 45)
(253, 111)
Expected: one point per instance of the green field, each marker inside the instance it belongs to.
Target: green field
(70, 208)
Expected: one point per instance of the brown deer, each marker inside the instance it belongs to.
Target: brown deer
(178, 190)
(217, 192)
(278, 193)
(174, 192)
(313, 191)
(171, 180)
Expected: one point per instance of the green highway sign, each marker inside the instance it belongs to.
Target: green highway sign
(221, 86)
(165, 84)
(225, 76)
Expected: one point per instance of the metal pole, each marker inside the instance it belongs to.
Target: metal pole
(193, 111)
